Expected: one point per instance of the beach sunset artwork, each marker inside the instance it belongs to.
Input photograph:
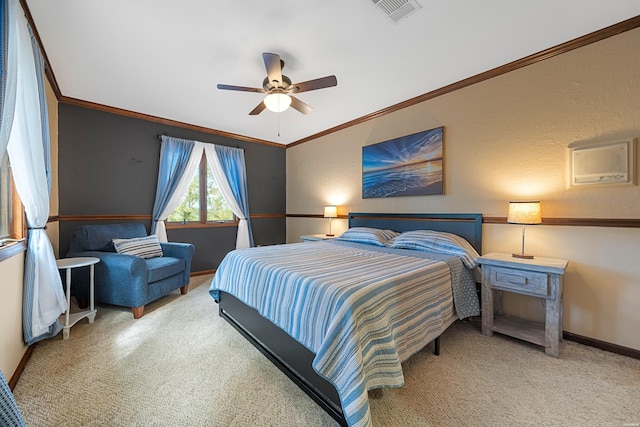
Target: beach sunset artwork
(407, 166)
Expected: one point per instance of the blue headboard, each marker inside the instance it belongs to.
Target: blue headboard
(468, 226)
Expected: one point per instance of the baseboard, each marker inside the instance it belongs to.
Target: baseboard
(602, 345)
(23, 362)
(202, 273)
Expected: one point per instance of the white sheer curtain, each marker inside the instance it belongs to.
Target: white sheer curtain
(181, 189)
(43, 295)
(243, 239)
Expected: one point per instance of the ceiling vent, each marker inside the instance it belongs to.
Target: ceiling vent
(397, 10)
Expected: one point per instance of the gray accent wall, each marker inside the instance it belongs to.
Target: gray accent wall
(108, 165)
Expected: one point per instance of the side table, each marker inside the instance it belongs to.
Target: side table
(68, 264)
(539, 277)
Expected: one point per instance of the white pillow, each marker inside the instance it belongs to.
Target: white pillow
(143, 247)
(438, 242)
(371, 236)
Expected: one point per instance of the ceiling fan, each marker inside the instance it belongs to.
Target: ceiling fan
(279, 88)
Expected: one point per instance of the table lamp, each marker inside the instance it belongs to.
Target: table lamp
(525, 213)
(330, 212)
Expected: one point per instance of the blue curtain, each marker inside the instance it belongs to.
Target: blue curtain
(232, 163)
(9, 412)
(174, 158)
(44, 110)
(56, 327)
(8, 74)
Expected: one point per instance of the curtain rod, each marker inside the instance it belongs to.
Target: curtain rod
(160, 135)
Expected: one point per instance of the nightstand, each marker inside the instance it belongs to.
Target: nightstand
(537, 277)
(316, 237)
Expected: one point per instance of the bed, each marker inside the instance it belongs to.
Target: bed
(339, 317)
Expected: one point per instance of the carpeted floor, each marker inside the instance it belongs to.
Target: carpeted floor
(182, 365)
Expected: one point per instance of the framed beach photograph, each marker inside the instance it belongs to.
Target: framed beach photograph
(411, 165)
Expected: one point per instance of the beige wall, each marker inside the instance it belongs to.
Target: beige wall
(52, 227)
(12, 346)
(506, 139)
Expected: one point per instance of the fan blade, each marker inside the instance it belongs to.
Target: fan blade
(300, 106)
(274, 68)
(259, 109)
(241, 88)
(320, 83)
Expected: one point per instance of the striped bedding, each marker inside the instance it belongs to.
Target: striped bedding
(361, 309)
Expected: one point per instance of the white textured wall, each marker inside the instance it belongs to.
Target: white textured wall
(506, 139)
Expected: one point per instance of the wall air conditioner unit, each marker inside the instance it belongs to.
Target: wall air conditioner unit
(397, 10)
(602, 163)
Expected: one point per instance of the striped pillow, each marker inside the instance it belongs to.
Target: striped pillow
(438, 242)
(371, 236)
(143, 247)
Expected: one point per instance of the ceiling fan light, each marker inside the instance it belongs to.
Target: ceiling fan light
(277, 102)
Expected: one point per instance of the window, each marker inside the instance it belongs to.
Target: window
(203, 203)
(11, 212)
(5, 198)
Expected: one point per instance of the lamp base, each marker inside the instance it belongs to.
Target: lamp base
(330, 235)
(524, 256)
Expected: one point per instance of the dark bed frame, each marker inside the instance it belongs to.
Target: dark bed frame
(293, 358)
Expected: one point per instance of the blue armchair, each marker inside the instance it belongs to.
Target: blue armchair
(127, 280)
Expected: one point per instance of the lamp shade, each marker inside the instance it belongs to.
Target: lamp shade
(524, 213)
(277, 102)
(330, 212)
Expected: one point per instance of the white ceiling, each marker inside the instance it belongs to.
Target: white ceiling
(164, 57)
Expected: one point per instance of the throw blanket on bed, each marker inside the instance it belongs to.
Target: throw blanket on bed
(362, 312)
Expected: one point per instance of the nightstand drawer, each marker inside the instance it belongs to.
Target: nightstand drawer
(530, 282)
